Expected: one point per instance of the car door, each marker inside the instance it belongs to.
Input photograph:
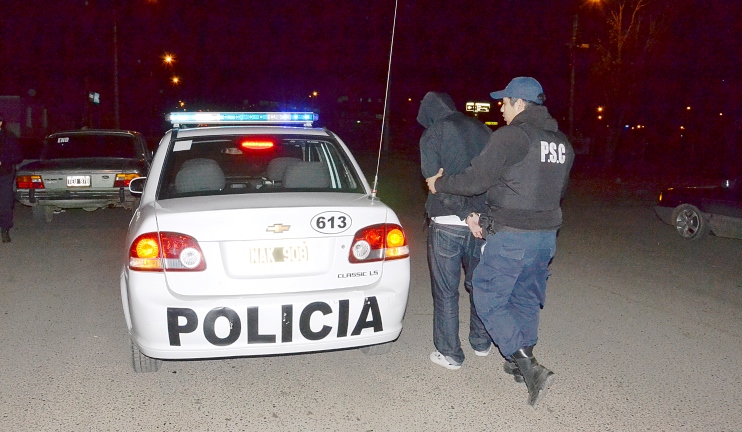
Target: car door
(728, 202)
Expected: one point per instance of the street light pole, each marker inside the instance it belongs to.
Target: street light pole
(116, 120)
(572, 49)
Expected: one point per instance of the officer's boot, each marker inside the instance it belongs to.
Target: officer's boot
(537, 378)
(6, 235)
(511, 368)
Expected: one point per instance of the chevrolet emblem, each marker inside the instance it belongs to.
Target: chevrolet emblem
(278, 228)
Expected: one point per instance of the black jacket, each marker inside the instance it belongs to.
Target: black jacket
(10, 152)
(493, 171)
(450, 141)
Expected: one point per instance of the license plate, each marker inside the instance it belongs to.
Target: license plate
(78, 181)
(279, 254)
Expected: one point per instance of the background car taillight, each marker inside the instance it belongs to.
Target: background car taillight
(123, 180)
(379, 242)
(29, 182)
(167, 251)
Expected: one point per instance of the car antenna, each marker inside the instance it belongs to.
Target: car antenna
(386, 101)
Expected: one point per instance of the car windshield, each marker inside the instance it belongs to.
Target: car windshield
(221, 165)
(89, 146)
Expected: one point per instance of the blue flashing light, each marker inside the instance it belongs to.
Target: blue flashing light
(214, 118)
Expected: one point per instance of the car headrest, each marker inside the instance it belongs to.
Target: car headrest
(307, 175)
(199, 175)
(277, 167)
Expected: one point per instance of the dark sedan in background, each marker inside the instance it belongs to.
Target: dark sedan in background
(87, 169)
(697, 210)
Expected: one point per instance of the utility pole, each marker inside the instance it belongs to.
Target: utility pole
(572, 58)
(116, 119)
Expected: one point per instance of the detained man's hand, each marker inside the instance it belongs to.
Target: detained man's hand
(431, 180)
(472, 221)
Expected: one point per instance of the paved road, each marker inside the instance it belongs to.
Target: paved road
(643, 330)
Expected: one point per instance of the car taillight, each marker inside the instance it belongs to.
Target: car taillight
(29, 182)
(169, 251)
(379, 242)
(123, 180)
(257, 144)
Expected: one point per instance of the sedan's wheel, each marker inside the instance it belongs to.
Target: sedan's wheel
(379, 349)
(142, 363)
(43, 213)
(690, 223)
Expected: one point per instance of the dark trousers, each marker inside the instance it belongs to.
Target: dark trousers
(510, 286)
(451, 248)
(7, 199)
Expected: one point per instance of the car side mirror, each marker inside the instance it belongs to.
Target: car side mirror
(136, 185)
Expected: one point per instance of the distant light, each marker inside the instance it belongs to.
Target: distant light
(682, 127)
(314, 93)
(600, 117)
(721, 114)
(687, 108)
(175, 80)
(627, 126)
(600, 109)
(168, 58)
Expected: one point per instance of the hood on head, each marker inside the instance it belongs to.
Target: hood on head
(434, 106)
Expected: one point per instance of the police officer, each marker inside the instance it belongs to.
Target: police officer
(524, 170)
(10, 155)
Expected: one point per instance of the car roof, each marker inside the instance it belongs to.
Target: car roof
(252, 130)
(95, 132)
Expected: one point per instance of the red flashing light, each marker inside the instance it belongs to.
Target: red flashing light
(257, 144)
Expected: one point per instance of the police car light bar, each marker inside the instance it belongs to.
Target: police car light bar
(214, 118)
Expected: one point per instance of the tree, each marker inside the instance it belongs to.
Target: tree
(633, 30)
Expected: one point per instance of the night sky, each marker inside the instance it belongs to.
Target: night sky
(228, 52)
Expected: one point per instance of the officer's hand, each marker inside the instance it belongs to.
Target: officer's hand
(431, 180)
(472, 221)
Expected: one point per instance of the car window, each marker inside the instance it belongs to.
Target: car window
(89, 146)
(223, 165)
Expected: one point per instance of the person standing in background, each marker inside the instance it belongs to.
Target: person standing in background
(10, 155)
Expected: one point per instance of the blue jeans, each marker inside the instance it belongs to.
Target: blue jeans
(451, 247)
(510, 286)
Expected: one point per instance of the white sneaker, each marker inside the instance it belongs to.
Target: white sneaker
(484, 353)
(445, 361)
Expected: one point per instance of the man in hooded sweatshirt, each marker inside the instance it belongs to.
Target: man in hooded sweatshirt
(524, 171)
(450, 141)
(10, 155)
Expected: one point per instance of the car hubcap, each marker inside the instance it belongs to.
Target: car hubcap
(687, 223)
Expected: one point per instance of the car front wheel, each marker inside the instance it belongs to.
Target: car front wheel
(690, 223)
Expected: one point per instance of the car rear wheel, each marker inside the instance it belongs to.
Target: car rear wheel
(690, 223)
(141, 362)
(43, 213)
(379, 349)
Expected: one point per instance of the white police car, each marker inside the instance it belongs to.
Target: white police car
(255, 238)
